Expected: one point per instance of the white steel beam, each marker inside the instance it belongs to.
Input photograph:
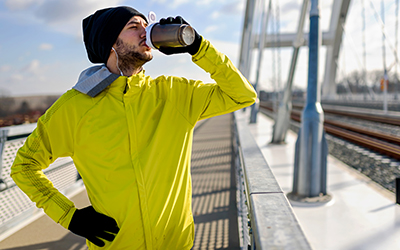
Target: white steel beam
(247, 39)
(332, 39)
(264, 26)
(338, 18)
(287, 39)
(282, 120)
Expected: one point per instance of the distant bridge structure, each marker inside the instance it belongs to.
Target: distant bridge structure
(332, 38)
(261, 30)
(258, 35)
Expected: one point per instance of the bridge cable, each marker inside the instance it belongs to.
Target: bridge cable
(342, 70)
(379, 20)
(276, 67)
(397, 46)
(274, 77)
(364, 46)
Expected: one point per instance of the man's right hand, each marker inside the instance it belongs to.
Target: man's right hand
(191, 49)
(93, 226)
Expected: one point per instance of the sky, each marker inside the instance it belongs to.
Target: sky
(42, 51)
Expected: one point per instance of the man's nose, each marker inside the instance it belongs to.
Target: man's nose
(143, 31)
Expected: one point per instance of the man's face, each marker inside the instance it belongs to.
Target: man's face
(131, 44)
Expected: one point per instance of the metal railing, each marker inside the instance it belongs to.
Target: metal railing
(15, 206)
(266, 218)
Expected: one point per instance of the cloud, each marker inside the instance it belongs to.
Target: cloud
(5, 68)
(65, 10)
(19, 4)
(291, 6)
(174, 4)
(46, 46)
(18, 74)
(204, 2)
(215, 15)
(60, 11)
(158, 1)
(63, 16)
(211, 29)
(33, 67)
(16, 78)
(233, 8)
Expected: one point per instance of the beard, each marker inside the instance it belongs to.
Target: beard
(129, 57)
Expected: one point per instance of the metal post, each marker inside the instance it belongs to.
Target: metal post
(3, 139)
(385, 90)
(397, 190)
(385, 76)
(397, 49)
(309, 181)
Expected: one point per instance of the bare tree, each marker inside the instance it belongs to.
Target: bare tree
(6, 103)
(24, 108)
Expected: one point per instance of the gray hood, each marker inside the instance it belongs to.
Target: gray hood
(95, 79)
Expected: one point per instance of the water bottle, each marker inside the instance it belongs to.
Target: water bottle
(168, 35)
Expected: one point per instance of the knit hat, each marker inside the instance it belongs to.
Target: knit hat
(101, 30)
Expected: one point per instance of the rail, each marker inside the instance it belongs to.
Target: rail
(380, 142)
(15, 206)
(265, 216)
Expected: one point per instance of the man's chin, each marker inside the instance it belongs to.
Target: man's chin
(149, 55)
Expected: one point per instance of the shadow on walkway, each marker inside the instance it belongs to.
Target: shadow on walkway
(68, 242)
(214, 186)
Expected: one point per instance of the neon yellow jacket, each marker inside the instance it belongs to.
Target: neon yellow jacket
(132, 150)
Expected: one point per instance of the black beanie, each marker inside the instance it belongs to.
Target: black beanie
(101, 30)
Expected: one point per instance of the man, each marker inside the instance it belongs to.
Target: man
(130, 137)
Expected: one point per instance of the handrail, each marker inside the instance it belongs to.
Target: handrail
(16, 207)
(18, 131)
(272, 223)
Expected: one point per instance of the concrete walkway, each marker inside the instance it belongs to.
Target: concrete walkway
(45, 234)
(214, 186)
(214, 199)
(361, 216)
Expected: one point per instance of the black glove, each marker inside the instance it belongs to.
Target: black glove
(92, 225)
(191, 49)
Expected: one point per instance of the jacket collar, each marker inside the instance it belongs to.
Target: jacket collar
(94, 80)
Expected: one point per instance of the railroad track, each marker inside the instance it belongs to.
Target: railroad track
(376, 141)
(369, 116)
